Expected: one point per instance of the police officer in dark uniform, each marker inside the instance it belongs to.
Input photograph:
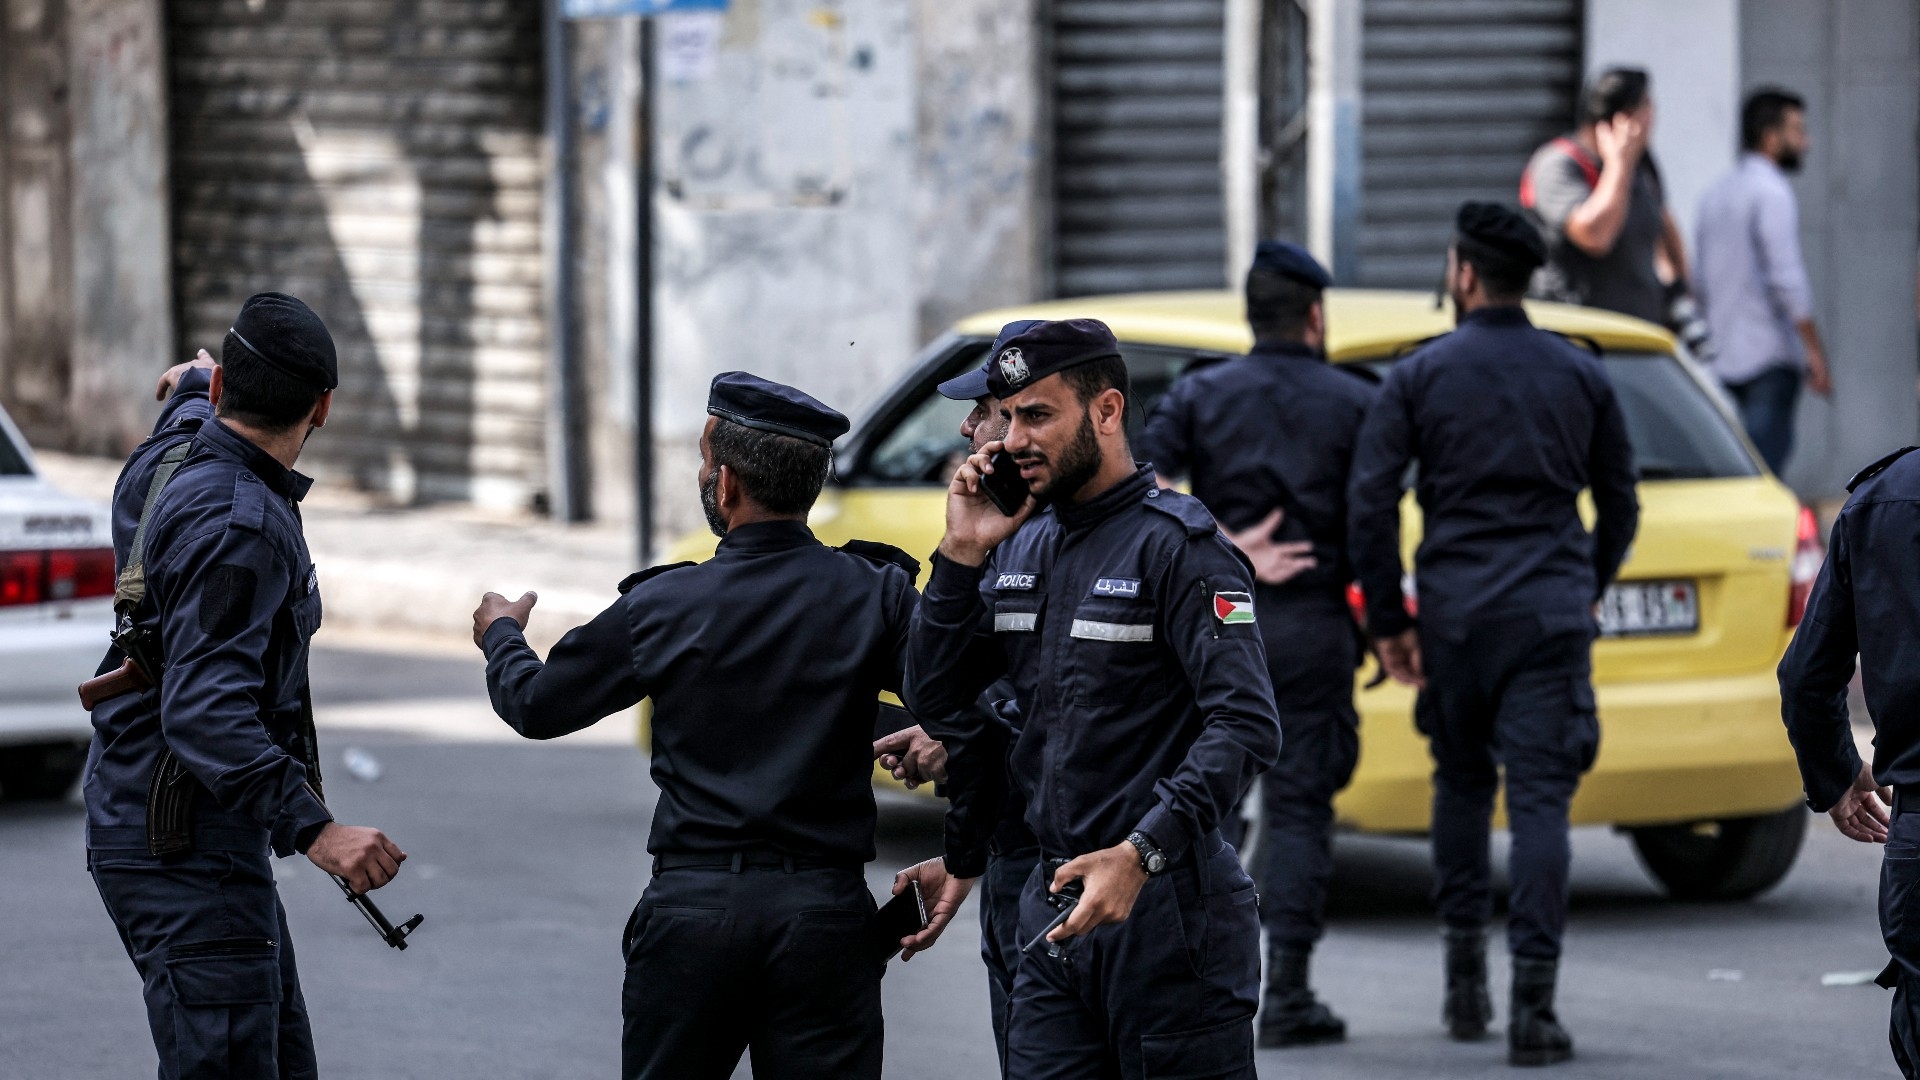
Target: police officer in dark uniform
(765, 665)
(1862, 603)
(1126, 623)
(1508, 424)
(1267, 440)
(190, 785)
(1013, 851)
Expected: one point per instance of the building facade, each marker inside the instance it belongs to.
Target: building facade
(457, 186)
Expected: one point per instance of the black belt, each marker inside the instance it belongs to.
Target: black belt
(1906, 798)
(736, 861)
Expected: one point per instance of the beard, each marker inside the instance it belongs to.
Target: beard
(1078, 464)
(1789, 161)
(710, 503)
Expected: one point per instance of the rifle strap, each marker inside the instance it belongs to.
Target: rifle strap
(170, 791)
(131, 588)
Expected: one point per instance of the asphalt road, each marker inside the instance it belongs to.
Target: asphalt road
(527, 858)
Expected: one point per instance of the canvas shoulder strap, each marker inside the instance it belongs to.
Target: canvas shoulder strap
(131, 588)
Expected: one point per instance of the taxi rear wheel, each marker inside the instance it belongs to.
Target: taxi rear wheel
(1733, 859)
(40, 771)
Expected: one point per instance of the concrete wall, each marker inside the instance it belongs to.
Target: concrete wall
(1691, 52)
(838, 181)
(122, 287)
(1857, 62)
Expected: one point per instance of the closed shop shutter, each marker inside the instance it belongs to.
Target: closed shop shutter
(382, 161)
(1457, 95)
(1136, 121)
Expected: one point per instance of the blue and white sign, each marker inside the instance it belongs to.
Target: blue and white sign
(600, 9)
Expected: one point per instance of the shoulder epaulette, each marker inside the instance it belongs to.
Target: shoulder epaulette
(249, 502)
(1878, 467)
(1185, 509)
(1206, 360)
(651, 571)
(883, 554)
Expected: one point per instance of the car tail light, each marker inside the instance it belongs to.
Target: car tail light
(39, 577)
(80, 573)
(1808, 555)
(21, 577)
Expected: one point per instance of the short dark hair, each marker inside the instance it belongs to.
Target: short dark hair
(1613, 91)
(1502, 279)
(258, 394)
(1765, 110)
(1277, 305)
(1096, 377)
(781, 473)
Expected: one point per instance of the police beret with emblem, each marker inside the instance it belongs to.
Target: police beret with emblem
(972, 386)
(286, 335)
(751, 401)
(1047, 348)
(1490, 231)
(1284, 258)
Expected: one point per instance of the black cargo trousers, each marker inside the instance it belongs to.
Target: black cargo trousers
(766, 955)
(1900, 926)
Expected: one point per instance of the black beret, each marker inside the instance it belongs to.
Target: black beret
(972, 386)
(1490, 231)
(287, 335)
(1287, 259)
(751, 401)
(1045, 348)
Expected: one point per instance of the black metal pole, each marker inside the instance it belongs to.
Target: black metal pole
(566, 442)
(643, 306)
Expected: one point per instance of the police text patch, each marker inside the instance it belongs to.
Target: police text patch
(1015, 581)
(1233, 607)
(1117, 586)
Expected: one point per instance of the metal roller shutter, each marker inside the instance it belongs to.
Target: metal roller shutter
(1136, 119)
(1457, 95)
(382, 161)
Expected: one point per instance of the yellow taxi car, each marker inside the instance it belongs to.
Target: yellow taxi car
(1694, 762)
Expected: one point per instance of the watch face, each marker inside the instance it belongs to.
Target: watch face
(1156, 862)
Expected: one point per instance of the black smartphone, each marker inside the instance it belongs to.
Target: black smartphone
(903, 916)
(1006, 489)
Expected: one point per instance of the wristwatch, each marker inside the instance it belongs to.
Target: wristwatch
(1152, 859)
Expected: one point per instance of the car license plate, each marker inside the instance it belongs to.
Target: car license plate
(1641, 608)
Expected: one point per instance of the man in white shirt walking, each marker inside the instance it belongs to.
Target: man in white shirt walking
(1751, 281)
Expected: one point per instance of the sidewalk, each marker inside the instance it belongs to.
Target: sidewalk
(411, 577)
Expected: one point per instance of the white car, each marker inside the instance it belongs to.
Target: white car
(56, 611)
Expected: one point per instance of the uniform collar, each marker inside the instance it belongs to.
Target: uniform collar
(1292, 349)
(1107, 503)
(1502, 315)
(224, 440)
(764, 536)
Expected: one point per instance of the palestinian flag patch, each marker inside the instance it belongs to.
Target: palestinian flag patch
(1233, 607)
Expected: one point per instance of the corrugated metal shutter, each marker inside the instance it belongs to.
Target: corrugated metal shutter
(1137, 110)
(1457, 95)
(382, 161)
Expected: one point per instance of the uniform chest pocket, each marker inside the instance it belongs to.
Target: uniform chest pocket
(1114, 654)
(1018, 614)
(305, 606)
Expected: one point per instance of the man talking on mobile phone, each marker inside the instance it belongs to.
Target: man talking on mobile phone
(1125, 621)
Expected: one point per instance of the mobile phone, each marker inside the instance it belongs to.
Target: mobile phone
(1006, 489)
(903, 916)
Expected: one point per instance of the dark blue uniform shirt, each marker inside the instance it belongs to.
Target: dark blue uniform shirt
(1276, 428)
(1508, 423)
(1866, 601)
(1124, 625)
(765, 665)
(232, 590)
